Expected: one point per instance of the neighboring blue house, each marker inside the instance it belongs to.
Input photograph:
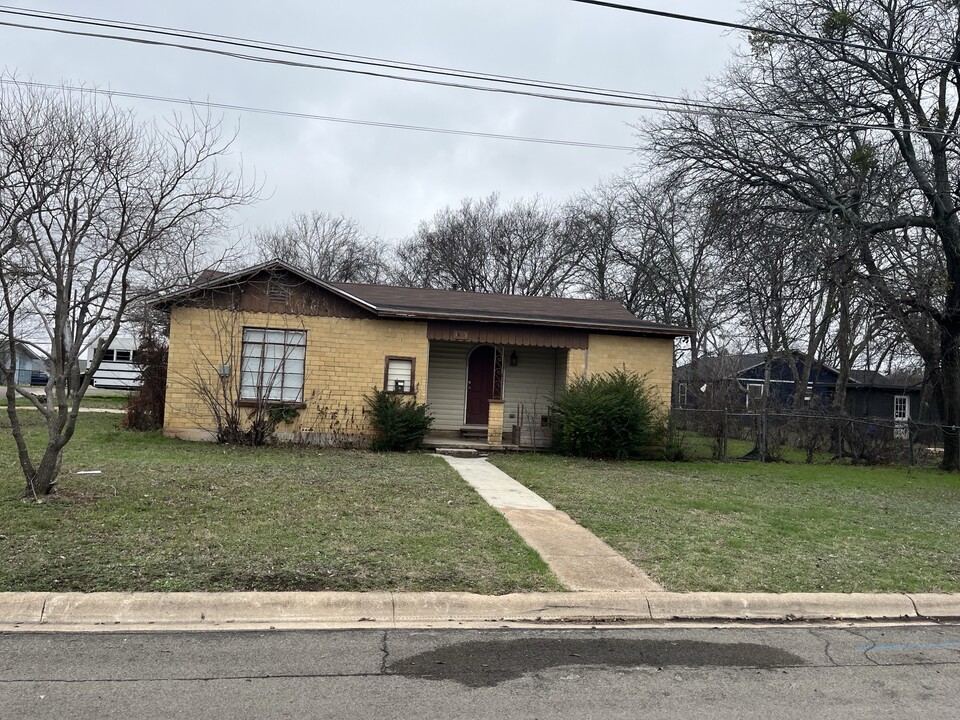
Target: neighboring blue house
(28, 363)
(738, 381)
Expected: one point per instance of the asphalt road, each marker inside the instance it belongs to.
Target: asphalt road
(782, 672)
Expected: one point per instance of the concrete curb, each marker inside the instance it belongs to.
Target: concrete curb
(199, 611)
(783, 606)
(27, 607)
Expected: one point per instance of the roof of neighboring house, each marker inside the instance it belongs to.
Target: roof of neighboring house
(873, 379)
(24, 349)
(729, 365)
(721, 367)
(389, 301)
(724, 366)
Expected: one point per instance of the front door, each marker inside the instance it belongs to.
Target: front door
(479, 384)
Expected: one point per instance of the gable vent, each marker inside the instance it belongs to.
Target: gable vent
(278, 290)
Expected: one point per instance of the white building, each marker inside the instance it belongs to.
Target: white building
(117, 369)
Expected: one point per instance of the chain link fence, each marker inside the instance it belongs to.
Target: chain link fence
(810, 437)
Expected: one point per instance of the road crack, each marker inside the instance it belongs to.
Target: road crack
(873, 644)
(827, 646)
(384, 653)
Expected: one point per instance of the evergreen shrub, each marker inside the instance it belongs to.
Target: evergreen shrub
(610, 416)
(400, 422)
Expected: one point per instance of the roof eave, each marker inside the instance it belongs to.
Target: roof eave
(573, 324)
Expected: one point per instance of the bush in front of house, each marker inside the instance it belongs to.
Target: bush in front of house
(611, 416)
(145, 406)
(400, 422)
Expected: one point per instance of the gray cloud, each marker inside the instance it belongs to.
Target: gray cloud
(391, 179)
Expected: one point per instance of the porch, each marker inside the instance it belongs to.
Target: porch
(487, 395)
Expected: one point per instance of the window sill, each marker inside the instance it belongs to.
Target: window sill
(245, 402)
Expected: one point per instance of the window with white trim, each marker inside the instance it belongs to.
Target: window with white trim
(398, 375)
(682, 394)
(272, 365)
(901, 408)
(754, 395)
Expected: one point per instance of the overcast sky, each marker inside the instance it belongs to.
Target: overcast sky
(391, 179)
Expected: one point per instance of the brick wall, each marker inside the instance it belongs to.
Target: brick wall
(344, 361)
(651, 358)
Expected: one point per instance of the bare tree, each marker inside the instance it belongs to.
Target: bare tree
(865, 134)
(326, 246)
(597, 221)
(96, 211)
(674, 254)
(524, 249)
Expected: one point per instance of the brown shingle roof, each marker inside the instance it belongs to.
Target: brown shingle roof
(392, 301)
(404, 302)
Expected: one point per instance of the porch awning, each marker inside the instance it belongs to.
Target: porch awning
(498, 334)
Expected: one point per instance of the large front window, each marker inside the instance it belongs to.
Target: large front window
(273, 364)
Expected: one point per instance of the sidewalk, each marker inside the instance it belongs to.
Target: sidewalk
(579, 559)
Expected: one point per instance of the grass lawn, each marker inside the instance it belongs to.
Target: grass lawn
(171, 515)
(743, 527)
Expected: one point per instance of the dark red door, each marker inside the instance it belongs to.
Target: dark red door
(479, 385)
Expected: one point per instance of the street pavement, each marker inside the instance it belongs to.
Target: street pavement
(772, 672)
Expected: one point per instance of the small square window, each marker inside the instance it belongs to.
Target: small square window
(122, 355)
(398, 374)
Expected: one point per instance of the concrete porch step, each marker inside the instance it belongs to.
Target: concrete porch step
(473, 433)
(458, 452)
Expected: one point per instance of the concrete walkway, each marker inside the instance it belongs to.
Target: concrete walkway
(579, 559)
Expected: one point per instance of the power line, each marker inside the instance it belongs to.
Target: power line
(300, 51)
(666, 104)
(309, 116)
(767, 31)
(662, 101)
(351, 71)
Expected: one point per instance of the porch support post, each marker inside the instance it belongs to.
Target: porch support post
(495, 423)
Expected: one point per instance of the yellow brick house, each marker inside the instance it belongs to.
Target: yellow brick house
(487, 365)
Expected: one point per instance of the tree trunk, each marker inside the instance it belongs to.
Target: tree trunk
(950, 396)
(44, 479)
